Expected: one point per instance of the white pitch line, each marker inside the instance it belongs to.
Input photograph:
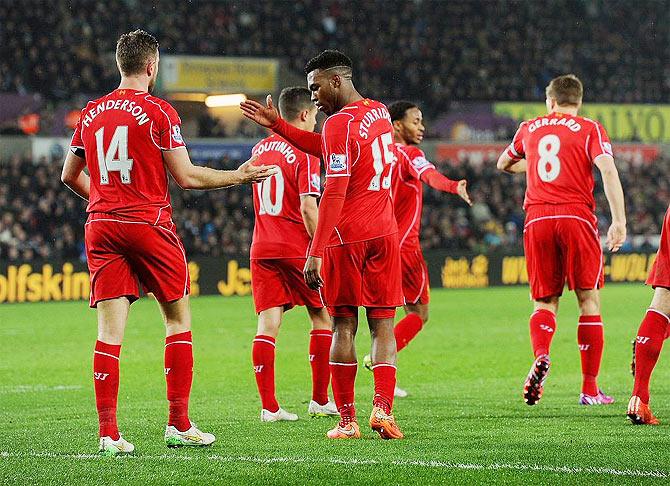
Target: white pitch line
(37, 388)
(570, 470)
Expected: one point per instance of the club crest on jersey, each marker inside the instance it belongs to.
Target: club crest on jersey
(337, 162)
(176, 134)
(316, 182)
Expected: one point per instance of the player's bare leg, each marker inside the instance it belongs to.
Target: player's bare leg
(112, 318)
(648, 344)
(180, 431)
(343, 368)
(320, 340)
(542, 330)
(263, 359)
(384, 356)
(590, 338)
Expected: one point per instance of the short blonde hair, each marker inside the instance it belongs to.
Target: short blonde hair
(566, 90)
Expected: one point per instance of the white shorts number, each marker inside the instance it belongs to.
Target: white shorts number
(116, 156)
(549, 165)
(264, 189)
(381, 157)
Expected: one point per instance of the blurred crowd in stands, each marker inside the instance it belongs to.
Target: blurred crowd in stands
(40, 218)
(432, 51)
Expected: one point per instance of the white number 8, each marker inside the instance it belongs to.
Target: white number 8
(549, 165)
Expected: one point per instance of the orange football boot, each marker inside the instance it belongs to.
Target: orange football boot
(639, 412)
(348, 431)
(384, 424)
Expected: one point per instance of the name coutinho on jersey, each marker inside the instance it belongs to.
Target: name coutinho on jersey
(546, 122)
(370, 117)
(123, 105)
(278, 146)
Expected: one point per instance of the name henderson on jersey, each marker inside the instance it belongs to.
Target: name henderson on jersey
(124, 105)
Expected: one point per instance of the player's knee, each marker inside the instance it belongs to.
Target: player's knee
(589, 303)
(110, 336)
(176, 327)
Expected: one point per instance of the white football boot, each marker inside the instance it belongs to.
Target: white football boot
(111, 447)
(193, 437)
(279, 415)
(327, 410)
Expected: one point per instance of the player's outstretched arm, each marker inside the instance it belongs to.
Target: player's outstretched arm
(442, 183)
(190, 176)
(510, 165)
(74, 177)
(616, 235)
(268, 117)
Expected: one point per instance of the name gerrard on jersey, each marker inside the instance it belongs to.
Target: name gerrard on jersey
(544, 122)
(373, 115)
(123, 105)
(279, 146)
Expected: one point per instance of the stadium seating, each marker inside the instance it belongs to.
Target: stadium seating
(42, 219)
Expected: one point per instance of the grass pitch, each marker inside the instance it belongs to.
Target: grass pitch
(465, 420)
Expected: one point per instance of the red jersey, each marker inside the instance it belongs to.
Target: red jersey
(408, 194)
(357, 142)
(559, 150)
(123, 135)
(279, 230)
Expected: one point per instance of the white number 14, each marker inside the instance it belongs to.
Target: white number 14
(116, 157)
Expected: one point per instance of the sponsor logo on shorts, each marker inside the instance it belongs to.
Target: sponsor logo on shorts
(338, 162)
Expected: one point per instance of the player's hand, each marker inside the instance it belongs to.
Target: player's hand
(616, 236)
(263, 115)
(312, 273)
(250, 173)
(462, 190)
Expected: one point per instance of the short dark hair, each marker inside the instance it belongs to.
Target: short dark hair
(133, 49)
(566, 90)
(294, 100)
(398, 109)
(329, 58)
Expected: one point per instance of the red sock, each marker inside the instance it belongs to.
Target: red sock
(542, 329)
(407, 329)
(106, 384)
(648, 346)
(319, 351)
(263, 358)
(591, 340)
(179, 376)
(343, 380)
(384, 376)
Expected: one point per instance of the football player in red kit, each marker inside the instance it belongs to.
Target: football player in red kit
(285, 220)
(127, 139)
(411, 172)
(557, 151)
(355, 249)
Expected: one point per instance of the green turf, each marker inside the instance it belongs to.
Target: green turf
(465, 420)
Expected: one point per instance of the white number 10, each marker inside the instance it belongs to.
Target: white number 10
(382, 156)
(116, 157)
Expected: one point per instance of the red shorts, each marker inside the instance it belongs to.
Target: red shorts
(365, 273)
(659, 275)
(280, 283)
(122, 253)
(415, 282)
(561, 243)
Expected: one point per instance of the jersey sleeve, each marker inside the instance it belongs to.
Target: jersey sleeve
(309, 176)
(77, 143)
(167, 132)
(335, 141)
(598, 142)
(516, 149)
(417, 163)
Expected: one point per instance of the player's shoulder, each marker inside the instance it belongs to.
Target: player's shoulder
(338, 121)
(413, 151)
(590, 123)
(160, 104)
